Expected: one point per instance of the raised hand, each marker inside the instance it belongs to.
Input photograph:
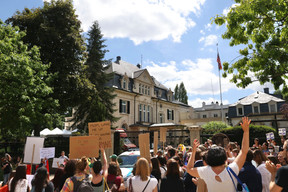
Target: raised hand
(196, 143)
(245, 123)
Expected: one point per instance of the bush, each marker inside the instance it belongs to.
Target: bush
(256, 131)
(213, 127)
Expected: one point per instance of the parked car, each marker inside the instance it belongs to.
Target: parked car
(127, 144)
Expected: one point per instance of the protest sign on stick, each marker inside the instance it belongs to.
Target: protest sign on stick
(32, 150)
(103, 130)
(84, 146)
(163, 133)
(155, 142)
(144, 145)
(57, 161)
(47, 153)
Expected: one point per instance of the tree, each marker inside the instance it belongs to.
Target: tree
(176, 93)
(262, 27)
(25, 104)
(183, 94)
(213, 127)
(96, 98)
(56, 29)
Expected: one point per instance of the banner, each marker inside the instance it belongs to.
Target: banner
(155, 143)
(47, 152)
(32, 150)
(103, 130)
(84, 146)
(57, 161)
(144, 145)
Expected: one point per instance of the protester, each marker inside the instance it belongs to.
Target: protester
(282, 158)
(63, 156)
(113, 158)
(142, 180)
(171, 152)
(172, 182)
(260, 159)
(19, 183)
(215, 174)
(98, 180)
(156, 168)
(112, 178)
(163, 167)
(69, 171)
(256, 144)
(181, 170)
(80, 176)
(41, 181)
(278, 177)
(7, 168)
(265, 149)
(57, 179)
(250, 175)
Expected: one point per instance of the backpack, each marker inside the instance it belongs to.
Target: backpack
(82, 186)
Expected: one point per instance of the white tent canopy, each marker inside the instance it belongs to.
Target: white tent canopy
(45, 132)
(56, 132)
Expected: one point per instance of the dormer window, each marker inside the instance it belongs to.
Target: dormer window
(124, 84)
(272, 108)
(240, 111)
(255, 108)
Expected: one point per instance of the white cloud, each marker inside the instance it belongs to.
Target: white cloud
(198, 101)
(209, 40)
(226, 10)
(139, 20)
(202, 32)
(208, 26)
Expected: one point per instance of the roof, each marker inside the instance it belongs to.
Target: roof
(257, 97)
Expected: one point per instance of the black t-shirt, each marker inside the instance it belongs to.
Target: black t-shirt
(8, 168)
(281, 178)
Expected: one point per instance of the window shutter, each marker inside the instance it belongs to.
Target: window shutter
(168, 114)
(120, 106)
(128, 107)
(172, 114)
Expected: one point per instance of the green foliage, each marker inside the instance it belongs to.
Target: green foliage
(56, 29)
(180, 93)
(262, 27)
(96, 98)
(213, 127)
(25, 104)
(256, 131)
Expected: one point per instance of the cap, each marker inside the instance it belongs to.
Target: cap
(113, 156)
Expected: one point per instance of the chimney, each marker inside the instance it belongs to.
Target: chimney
(266, 90)
(203, 104)
(139, 66)
(118, 58)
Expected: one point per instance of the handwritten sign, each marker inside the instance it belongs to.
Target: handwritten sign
(144, 145)
(282, 131)
(32, 150)
(57, 161)
(84, 146)
(155, 142)
(163, 133)
(270, 136)
(47, 152)
(103, 130)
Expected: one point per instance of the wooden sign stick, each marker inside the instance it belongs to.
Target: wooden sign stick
(32, 158)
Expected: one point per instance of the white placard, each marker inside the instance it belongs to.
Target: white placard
(282, 131)
(29, 178)
(57, 160)
(37, 142)
(270, 136)
(47, 152)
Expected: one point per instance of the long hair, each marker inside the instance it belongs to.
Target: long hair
(40, 179)
(81, 164)
(20, 174)
(142, 169)
(173, 168)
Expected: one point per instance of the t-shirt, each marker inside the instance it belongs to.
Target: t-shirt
(172, 184)
(115, 179)
(21, 185)
(208, 175)
(138, 185)
(266, 177)
(8, 168)
(98, 187)
(281, 178)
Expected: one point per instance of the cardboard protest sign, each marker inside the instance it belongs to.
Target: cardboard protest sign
(163, 132)
(32, 150)
(282, 131)
(155, 142)
(47, 152)
(144, 145)
(103, 130)
(84, 146)
(57, 161)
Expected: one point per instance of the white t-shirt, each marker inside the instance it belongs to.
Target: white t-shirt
(163, 171)
(138, 185)
(266, 177)
(21, 185)
(208, 175)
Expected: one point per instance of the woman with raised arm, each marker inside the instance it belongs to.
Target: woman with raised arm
(215, 175)
(98, 180)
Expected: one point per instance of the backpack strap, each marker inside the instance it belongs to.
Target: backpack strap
(239, 181)
(146, 184)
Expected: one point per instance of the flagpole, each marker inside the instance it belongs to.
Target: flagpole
(221, 104)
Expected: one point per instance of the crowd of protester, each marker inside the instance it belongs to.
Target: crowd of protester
(203, 167)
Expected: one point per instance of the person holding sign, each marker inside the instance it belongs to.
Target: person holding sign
(98, 180)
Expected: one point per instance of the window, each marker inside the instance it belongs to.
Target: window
(215, 115)
(124, 84)
(144, 113)
(148, 113)
(139, 88)
(140, 112)
(145, 90)
(256, 109)
(240, 111)
(148, 91)
(124, 106)
(161, 118)
(272, 108)
(204, 116)
(170, 114)
(142, 89)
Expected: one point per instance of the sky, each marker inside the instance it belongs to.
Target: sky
(174, 40)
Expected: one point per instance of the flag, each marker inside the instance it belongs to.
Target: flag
(219, 61)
